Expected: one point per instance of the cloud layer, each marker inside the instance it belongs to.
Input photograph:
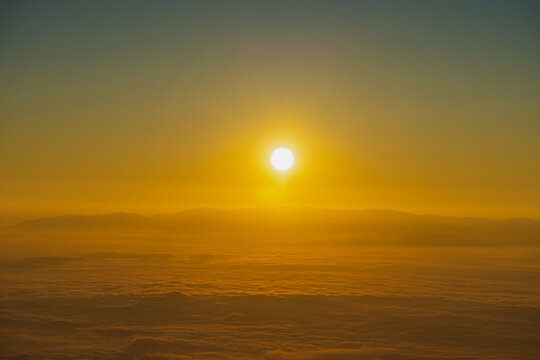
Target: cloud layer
(375, 304)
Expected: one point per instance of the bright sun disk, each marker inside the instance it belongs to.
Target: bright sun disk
(282, 159)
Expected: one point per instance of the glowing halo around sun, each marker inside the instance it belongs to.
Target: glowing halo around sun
(282, 159)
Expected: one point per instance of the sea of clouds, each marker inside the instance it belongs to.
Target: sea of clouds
(393, 303)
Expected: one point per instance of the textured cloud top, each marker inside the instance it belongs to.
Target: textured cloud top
(392, 303)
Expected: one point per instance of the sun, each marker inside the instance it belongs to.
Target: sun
(282, 159)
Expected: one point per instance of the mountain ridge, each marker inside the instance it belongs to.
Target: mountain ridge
(374, 226)
(371, 214)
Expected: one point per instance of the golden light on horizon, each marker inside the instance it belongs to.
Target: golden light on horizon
(282, 159)
(269, 179)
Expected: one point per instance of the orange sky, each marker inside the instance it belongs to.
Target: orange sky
(161, 108)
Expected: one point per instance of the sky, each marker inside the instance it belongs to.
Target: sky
(158, 106)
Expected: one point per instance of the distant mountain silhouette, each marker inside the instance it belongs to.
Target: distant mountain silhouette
(399, 227)
(94, 221)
